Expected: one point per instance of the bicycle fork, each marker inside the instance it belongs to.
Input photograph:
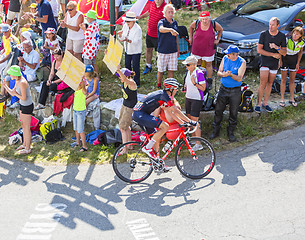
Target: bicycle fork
(192, 152)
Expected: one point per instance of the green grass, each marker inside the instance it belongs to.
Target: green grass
(249, 128)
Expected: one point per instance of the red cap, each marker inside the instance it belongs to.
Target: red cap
(205, 14)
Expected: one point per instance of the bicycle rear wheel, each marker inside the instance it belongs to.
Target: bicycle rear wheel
(130, 164)
(199, 165)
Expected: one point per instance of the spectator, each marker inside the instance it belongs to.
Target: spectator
(202, 33)
(91, 43)
(30, 61)
(131, 35)
(79, 116)
(291, 61)
(52, 82)
(13, 11)
(231, 70)
(22, 91)
(195, 85)
(51, 42)
(75, 37)
(55, 9)
(155, 14)
(63, 6)
(7, 39)
(118, 8)
(129, 89)
(93, 84)
(24, 7)
(92, 99)
(167, 44)
(44, 15)
(271, 45)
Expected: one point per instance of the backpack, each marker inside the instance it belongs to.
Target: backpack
(246, 104)
(112, 136)
(50, 131)
(208, 102)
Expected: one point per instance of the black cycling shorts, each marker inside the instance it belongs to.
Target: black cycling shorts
(27, 109)
(151, 42)
(193, 107)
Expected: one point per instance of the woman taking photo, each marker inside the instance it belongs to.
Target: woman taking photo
(52, 82)
(22, 91)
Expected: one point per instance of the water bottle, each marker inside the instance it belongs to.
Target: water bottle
(166, 146)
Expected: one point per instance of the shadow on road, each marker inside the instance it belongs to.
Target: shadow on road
(149, 198)
(284, 151)
(14, 171)
(93, 204)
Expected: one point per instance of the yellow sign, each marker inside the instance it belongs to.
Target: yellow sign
(114, 54)
(71, 70)
(1, 109)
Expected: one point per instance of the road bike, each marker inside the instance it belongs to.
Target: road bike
(131, 165)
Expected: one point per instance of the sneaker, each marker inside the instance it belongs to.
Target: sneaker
(166, 168)
(14, 105)
(147, 70)
(267, 108)
(197, 147)
(150, 153)
(257, 109)
(39, 106)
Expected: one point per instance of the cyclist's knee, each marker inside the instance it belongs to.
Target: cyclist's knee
(164, 126)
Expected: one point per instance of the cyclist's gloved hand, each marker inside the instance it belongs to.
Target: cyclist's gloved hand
(193, 123)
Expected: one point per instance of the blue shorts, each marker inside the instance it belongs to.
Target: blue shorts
(146, 120)
(79, 118)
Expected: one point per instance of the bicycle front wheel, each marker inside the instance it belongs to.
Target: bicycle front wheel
(130, 164)
(198, 165)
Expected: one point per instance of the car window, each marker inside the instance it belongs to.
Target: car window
(301, 16)
(263, 10)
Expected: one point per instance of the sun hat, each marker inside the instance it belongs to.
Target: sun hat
(231, 49)
(89, 68)
(130, 17)
(91, 14)
(26, 35)
(125, 71)
(5, 27)
(204, 14)
(33, 5)
(190, 60)
(50, 30)
(14, 71)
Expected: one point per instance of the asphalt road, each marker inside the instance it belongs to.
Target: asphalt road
(254, 192)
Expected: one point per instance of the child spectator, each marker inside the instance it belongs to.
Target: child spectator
(93, 81)
(92, 100)
(51, 42)
(91, 44)
(79, 116)
(129, 89)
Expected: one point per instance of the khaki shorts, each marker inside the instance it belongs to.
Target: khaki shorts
(125, 117)
(11, 15)
(75, 45)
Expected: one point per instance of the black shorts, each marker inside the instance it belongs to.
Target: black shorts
(27, 109)
(290, 62)
(193, 107)
(151, 42)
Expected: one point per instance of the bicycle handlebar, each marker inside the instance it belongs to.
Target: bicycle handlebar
(188, 126)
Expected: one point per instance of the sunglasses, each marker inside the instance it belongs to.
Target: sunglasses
(70, 9)
(187, 65)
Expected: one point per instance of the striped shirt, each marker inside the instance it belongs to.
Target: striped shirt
(155, 15)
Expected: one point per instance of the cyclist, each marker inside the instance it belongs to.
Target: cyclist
(153, 101)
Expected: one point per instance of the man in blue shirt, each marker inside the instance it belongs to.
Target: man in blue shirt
(167, 44)
(44, 15)
(231, 70)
